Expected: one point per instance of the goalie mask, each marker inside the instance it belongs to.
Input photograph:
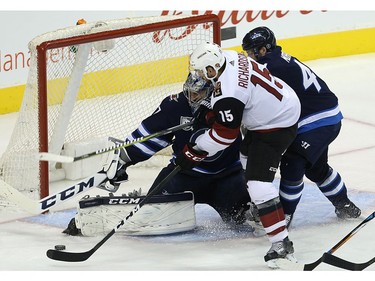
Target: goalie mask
(196, 89)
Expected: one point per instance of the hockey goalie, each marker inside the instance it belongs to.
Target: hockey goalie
(218, 179)
(163, 214)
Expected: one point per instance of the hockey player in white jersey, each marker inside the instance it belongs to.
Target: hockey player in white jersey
(245, 92)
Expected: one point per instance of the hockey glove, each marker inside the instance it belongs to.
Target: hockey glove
(204, 117)
(113, 185)
(115, 168)
(189, 157)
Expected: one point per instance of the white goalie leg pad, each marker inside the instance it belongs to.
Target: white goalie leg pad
(164, 214)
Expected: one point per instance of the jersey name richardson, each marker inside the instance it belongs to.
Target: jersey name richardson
(243, 71)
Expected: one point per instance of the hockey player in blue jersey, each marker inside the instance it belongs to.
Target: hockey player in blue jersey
(218, 181)
(318, 127)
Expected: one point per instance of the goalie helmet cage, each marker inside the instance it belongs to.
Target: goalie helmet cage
(97, 80)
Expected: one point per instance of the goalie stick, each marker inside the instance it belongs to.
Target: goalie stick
(37, 207)
(82, 256)
(45, 156)
(328, 258)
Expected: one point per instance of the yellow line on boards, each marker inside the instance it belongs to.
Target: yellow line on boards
(305, 48)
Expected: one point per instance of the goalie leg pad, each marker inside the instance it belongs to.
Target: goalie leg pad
(164, 214)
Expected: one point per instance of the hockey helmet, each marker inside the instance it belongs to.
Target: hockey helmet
(257, 38)
(206, 54)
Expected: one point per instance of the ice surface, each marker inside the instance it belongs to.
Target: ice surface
(212, 246)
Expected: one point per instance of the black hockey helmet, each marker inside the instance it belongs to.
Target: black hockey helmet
(257, 38)
(196, 89)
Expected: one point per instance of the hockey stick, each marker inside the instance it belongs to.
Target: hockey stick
(327, 257)
(37, 207)
(45, 156)
(82, 256)
(338, 262)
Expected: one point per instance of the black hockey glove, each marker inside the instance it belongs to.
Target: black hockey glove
(115, 169)
(204, 117)
(113, 184)
(189, 157)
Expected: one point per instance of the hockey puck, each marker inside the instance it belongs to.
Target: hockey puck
(60, 247)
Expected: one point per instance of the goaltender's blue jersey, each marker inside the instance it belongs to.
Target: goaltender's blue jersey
(175, 110)
(319, 105)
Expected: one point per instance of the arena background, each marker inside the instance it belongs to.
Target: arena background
(307, 34)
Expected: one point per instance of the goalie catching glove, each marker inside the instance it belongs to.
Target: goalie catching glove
(115, 168)
(190, 157)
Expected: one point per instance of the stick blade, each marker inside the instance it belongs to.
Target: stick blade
(348, 265)
(45, 156)
(12, 194)
(67, 256)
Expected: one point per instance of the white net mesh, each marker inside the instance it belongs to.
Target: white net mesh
(97, 89)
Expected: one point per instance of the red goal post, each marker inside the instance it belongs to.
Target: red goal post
(96, 80)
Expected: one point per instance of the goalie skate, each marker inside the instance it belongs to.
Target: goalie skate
(164, 214)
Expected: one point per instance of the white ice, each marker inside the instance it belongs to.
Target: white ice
(24, 240)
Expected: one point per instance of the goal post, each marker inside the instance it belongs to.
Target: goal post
(93, 81)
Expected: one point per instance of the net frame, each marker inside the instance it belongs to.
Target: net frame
(42, 46)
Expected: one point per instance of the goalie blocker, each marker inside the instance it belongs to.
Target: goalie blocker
(163, 214)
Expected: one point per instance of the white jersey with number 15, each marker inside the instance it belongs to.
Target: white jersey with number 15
(269, 102)
(247, 93)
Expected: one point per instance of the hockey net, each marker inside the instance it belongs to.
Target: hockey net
(92, 81)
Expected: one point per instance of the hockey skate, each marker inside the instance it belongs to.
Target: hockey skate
(252, 214)
(253, 219)
(288, 220)
(280, 250)
(345, 209)
(237, 221)
(72, 229)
